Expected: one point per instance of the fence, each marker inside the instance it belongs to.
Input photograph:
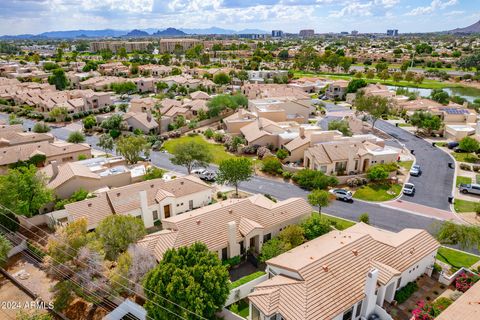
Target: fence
(242, 291)
(229, 315)
(448, 280)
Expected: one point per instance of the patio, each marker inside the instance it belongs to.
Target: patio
(428, 290)
(244, 269)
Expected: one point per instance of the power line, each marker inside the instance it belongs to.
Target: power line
(129, 280)
(64, 274)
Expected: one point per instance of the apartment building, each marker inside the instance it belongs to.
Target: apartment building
(346, 274)
(337, 90)
(230, 227)
(151, 201)
(115, 46)
(169, 45)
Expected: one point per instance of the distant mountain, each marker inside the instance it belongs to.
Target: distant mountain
(474, 28)
(169, 32)
(135, 33)
(113, 33)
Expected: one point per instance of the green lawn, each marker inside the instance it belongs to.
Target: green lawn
(426, 84)
(464, 180)
(406, 164)
(217, 150)
(404, 124)
(456, 259)
(464, 205)
(441, 144)
(378, 192)
(465, 157)
(478, 178)
(246, 279)
(340, 224)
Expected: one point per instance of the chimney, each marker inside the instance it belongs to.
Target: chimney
(147, 216)
(301, 131)
(370, 288)
(233, 246)
(54, 169)
(149, 115)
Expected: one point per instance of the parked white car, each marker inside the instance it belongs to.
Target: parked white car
(342, 194)
(409, 189)
(204, 174)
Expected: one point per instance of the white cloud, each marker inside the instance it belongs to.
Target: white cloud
(354, 9)
(434, 6)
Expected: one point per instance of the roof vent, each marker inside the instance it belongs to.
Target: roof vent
(198, 222)
(181, 182)
(412, 250)
(151, 186)
(89, 205)
(118, 194)
(230, 211)
(311, 258)
(325, 268)
(355, 252)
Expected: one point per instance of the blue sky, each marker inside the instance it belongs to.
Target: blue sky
(36, 16)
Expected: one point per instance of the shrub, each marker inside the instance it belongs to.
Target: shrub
(208, 133)
(263, 152)
(231, 262)
(465, 281)
(465, 167)
(9, 220)
(218, 137)
(282, 154)
(377, 173)
(442, 303)
(312, 179)
(476, 168)
(404, 293)
(364, 218)
(437, 267)
(287, 175)
(271, 165)
(269, 196)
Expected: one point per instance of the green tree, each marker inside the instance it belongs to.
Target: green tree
(191, 155)
(68, 239)
(355, 84)
(283, 54)
(161, 86)
(76, 137)
(5, 247)
(271, 165)
(440, 96)
(340, 125)
(122, 53)
(89, 122)
(469, 62)
(116, 232)
(376, 106)
(59, 79)
(235, 170)
(364, 217)
(221, 79)
(9, 220)
(409, 76)
(153, 173)
(118, 276)
(315, 226)
(319, 198)
(397, 76)
(124, 87)
(40, 127)
(13, 120)
(426, 121)
(463, 235)
(112, 123)
(105, 141)
(292, 236)
(23, 190)
(131, 147)
(469, 144)
(377, 173)
(59, 113)
(271, 249)
(192, 277)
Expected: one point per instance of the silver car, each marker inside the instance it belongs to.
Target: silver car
(415, 170)
(409, 189)
(342, 194)
(470, 188)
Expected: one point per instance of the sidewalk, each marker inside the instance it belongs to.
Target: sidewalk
(422, 210)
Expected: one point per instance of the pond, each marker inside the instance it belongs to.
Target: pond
(470, 94)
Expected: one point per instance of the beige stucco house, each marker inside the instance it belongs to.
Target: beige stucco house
(230, 227)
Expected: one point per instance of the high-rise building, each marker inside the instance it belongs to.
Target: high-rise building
(277, 34)
(392, 32)
(306, 33)
(354, 32)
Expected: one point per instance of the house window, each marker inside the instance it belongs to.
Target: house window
(190, 204)
(267, 237)
(359, 309)
(341, 166)
(323, 169)
(399, 281)
(348, 314)
(224, 254)
(242, 247)
(255, 313)
(155, 215)
(383, 161)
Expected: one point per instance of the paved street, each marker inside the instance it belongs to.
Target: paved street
(434, 185)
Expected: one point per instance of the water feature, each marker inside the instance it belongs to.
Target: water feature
(470, 94)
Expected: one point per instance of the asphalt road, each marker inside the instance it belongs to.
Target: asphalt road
(386, 218)
(434, 185)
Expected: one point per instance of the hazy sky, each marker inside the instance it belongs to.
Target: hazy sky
(36, 16)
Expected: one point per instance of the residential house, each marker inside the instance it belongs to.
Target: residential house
(154, 70)
(337, 90)
(151, 200)
(143, 104)
(349, 155)
(310, 85)
(13, 135)
(238, 120)
(143, 121)
(60, 152)
(91, 175)
(230, 227)
(146, 84)
(101, 83)
(114, 69)
(282, 109)
(346, 274)
(265, 91)
(466, 307)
